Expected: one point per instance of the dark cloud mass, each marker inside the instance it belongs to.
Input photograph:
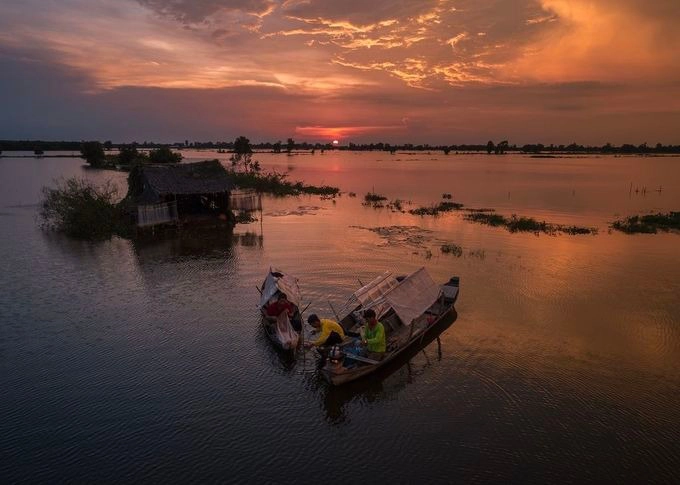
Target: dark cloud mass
(191, 11)
(432, 71)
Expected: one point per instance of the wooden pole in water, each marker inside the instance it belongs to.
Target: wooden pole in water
(334, 312)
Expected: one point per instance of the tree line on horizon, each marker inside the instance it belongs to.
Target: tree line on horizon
(41, 146)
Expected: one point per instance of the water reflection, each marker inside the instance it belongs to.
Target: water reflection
(208, 244)
(388, 381)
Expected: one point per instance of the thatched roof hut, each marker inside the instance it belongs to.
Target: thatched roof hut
(176, 192)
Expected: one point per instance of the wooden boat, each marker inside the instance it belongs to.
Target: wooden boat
(283, 331)
(406, 306)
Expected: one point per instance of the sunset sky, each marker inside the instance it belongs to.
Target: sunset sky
(440, 71)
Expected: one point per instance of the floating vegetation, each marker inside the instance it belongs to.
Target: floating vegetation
(397, 205)
(516, 223)
(451, 248)
(303, 210)
(244, 217)
(352, 194)
(436, 209)
(477, 253)
(374, 200)
(373, 197)
(276, 184)
(648, 224)
(413, 236)
(488, 218)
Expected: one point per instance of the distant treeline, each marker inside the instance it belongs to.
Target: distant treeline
(490, 147)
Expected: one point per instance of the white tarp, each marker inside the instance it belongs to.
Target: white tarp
(415, 294)
(370, 294)
(285, 332)
(285, 283)
(376, 288)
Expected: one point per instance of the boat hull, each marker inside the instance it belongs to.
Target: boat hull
(336, 374)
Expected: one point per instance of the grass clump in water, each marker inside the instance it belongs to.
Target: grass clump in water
(374, 200)
(244, 217)
(434, 210)
(276, 184)
(451, 248)
(528, 224)
(649, 224)
(524, 224)
(372, 197)
(488, 218)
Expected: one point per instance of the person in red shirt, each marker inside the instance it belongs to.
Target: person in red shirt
(281, 305)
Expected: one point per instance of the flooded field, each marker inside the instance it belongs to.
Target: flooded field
(146, 361)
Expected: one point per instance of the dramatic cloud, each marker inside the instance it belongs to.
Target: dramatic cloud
(431, 71)
(190, 11)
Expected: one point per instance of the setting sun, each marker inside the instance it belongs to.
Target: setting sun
(335, 142)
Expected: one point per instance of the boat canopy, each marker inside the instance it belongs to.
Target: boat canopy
(368, 295)
(413, 296)
(278, 281)
(409, 298)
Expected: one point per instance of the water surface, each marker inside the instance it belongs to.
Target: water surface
(144, 361)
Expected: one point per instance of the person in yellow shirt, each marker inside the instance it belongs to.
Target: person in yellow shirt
(330, 332)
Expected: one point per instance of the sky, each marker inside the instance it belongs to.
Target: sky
(432, 71)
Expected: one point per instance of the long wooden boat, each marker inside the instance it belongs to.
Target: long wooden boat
(284, 332)
(406, 306)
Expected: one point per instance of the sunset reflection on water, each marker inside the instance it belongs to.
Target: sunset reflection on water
(564, 348)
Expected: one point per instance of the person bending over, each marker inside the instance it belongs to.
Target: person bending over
(331, 333)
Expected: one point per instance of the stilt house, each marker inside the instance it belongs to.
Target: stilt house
(181, 193)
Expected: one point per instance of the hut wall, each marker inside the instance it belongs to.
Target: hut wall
(245, 200)
(153, 214)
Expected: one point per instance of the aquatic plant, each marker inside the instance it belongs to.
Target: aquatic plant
(372, 197)
(244, 217)
(649, 223)
(516, 223)
(434, 210)
(396, 205)
(276, 184)
(528, 224)
(488, 218)
(451, 248)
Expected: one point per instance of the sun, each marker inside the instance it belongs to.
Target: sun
(335, 142)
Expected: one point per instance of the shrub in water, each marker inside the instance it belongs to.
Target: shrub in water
(83, 210)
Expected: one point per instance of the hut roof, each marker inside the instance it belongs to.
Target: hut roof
(207, 177)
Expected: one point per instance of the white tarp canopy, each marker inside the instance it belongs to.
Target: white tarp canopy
(415, 294)
(368, 295)
(284, 283)
(409, 298)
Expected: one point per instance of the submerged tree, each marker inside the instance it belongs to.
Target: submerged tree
(164, 155)
(93, 153)
(501, 147)
(128, 154)
(490, 147)
(242, 146)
